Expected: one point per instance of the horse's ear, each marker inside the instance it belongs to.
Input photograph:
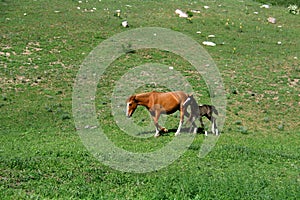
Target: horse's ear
(133, 97)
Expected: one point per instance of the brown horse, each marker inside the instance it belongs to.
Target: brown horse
(159, 103)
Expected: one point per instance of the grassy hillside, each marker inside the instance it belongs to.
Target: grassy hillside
(279, 2)
(43, 43)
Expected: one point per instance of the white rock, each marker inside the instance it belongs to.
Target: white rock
(125, 24)
(265, 6)
(181, 13)
(207, 43)
(196, 11)
(272, 20)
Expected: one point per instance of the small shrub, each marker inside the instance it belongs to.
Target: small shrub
(280, 127)
(65, 116)
(233, 90)
(243, 130)
(293, 9)
(266, 120)
(4, 98)
(238, 122)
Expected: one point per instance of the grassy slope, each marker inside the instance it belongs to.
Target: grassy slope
(42, 156)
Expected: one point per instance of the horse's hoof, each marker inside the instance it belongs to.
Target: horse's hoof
(177, 133)
(156, 135)
(164, 130)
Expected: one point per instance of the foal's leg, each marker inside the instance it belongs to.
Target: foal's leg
(192, 120)
(194, 126)
(212, 125)
(215, 126)
(202, 125)
(211, 119)
(201, 122)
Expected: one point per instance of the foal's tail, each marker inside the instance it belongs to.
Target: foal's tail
(214, 110)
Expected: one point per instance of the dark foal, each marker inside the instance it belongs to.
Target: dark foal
(199, 111)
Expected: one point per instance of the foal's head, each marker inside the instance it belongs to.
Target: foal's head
(131, 106)
(191, 101)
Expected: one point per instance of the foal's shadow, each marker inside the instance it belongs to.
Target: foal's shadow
(201, 130)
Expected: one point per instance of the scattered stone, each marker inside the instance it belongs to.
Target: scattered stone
(265, 6)
(271, 20)
(207, 43)
(181, 13)
(125, 24)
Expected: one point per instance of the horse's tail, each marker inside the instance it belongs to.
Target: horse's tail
(214, 110)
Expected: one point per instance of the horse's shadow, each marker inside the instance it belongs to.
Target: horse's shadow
(173, 130)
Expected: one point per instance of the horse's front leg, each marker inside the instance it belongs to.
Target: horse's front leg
(158, 128)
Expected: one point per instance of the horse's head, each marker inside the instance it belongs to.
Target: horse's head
(131, 106)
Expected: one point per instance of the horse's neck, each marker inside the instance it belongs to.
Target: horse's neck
(143, 99)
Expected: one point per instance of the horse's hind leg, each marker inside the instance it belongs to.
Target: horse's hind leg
(180, 122)
(179, 128)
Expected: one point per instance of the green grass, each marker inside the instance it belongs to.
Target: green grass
(42, 45)
(279, 2)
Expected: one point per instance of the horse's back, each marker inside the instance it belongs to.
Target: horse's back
(170, 102)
